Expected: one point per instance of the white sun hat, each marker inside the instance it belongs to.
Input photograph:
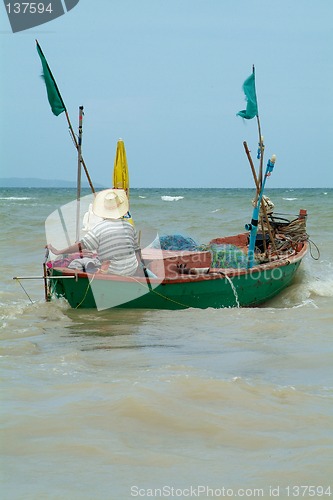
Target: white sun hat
(110, 204)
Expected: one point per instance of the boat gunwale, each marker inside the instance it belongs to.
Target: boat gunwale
(213, 274)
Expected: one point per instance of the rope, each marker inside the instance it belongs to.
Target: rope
(313, 243)
(54, 284)
(17, 279)
(140, 283)
(288, 215)
(160, 294)
(292, 233)
(86, 292)
(296, 230)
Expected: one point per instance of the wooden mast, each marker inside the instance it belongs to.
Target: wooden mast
(78, 188)
(77, 146)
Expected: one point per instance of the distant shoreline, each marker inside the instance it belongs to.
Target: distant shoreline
(34, 182)
(27, 183)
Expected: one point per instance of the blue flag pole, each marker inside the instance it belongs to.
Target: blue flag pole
(253, 226)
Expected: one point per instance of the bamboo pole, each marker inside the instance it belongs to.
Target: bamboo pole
(78, 185)
(18, 278)
(253, 226)
(77, 145)
(263, 206)
(254, 173)
(261, 148)
(264, 235)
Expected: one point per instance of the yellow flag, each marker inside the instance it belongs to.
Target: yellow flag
(120, 169)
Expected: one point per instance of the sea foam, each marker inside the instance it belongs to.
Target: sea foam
(172, 198)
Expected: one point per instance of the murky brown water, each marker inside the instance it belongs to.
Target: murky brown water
(113, 405)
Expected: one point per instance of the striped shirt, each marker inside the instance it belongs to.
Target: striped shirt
(116, 241)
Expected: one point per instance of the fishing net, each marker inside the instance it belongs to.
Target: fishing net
(226, 255)
(223, 255)
(175, 242)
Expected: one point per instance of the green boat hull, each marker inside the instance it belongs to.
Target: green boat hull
(242, 289)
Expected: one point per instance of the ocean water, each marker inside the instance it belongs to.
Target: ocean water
(158, 404)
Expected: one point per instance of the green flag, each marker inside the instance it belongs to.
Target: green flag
(53, 94)
(249, 88)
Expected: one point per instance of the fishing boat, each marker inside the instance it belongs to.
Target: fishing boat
(184, 279)
(177, 273)
(243, 270)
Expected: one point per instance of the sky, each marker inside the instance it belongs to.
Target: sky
(166, 76)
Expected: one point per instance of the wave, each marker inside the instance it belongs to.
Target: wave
(172, 198)
(17, 198)
(319, 282)
(321, 288)
(290, 199)
(311, 284)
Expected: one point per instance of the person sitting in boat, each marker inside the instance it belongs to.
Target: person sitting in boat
(113, 239)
